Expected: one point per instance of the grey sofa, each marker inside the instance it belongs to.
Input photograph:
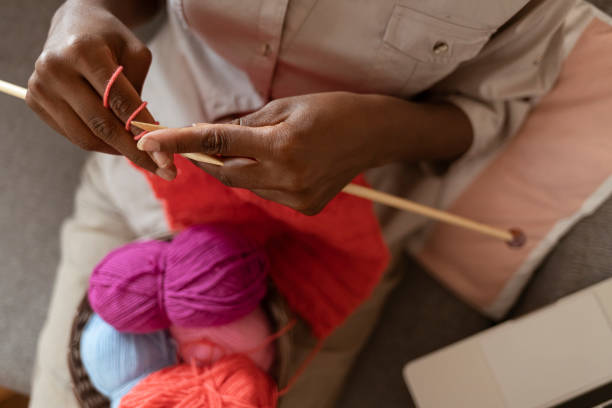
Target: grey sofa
(40, 172)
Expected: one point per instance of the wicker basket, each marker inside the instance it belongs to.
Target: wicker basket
(86, 394)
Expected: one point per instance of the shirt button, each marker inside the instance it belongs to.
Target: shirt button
(440, 48)
(264, 49)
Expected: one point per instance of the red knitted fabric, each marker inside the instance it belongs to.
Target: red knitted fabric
(324, 265)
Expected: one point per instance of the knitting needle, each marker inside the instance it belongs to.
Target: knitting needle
(513, 237)
(13, 90)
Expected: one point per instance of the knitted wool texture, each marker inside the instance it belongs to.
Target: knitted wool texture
(325, 265)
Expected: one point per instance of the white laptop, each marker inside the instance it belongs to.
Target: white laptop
(559, 356)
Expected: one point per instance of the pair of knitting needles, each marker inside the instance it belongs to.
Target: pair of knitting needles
(513, 237)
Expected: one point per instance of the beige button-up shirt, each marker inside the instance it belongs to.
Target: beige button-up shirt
(492, 58)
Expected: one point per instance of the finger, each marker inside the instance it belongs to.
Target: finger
(34, 96)
(79, 134)
(304, 202)
(123, 98)
(214, 139)
(76, 131)
(238, 172)
(136, 58)
(271, 114)
(105, 125)
(291, 200)
(308, 201)
(42, 113)
(69, 125)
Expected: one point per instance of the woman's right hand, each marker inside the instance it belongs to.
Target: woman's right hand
(85, 45)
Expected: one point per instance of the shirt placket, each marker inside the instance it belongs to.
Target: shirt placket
(270, 31)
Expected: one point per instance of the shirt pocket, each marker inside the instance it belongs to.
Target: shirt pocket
(417, 50)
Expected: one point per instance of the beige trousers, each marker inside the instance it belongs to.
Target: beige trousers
(113, 206)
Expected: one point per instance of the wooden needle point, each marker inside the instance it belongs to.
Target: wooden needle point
(518, 238)
(149, 127)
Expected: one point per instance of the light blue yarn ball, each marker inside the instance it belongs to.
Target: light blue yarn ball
(117, 361)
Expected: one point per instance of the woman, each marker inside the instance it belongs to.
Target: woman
(305, 95)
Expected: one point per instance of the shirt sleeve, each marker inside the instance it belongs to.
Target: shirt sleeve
(520, 63)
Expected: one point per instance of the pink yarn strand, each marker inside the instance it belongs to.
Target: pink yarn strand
(133, 115)
(107, 91)
(273, 336)
(140, 135)
(298, 373)
(111, 81)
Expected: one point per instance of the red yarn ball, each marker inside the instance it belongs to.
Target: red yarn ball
(232, 382)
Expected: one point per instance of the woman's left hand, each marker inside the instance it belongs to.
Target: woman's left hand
(298, 151)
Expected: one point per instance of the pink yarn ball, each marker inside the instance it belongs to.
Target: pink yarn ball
(248, 335)
(208, 275)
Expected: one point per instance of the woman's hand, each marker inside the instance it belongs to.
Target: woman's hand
(301, 151)
(298, 151)
(85, 45)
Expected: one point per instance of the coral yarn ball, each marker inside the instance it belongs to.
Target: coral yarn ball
(232, 382)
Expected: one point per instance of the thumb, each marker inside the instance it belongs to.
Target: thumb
(213, 139)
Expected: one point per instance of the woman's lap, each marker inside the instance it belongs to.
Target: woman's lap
(419, 317)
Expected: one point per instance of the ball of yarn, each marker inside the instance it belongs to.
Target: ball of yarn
(232, 382)
(116, 361)
(208, 275)
(249, 335)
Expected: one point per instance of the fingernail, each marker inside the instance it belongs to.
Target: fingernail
(238, 161)
(166, 174)
(148, 145)
(162, 159)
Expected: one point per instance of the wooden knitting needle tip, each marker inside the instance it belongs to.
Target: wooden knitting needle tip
(518, 238)
(149, 127)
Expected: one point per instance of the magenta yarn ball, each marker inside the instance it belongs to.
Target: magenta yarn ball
(208, 275)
